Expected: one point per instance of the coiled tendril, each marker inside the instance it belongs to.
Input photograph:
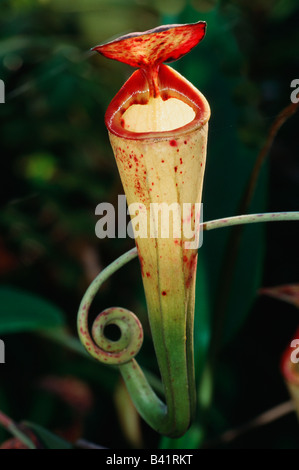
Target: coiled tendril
(114, 352)
(108, 351)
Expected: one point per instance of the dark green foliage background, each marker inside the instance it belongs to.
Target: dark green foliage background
(56, 166)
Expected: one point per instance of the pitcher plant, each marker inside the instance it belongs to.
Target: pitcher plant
(158, 126)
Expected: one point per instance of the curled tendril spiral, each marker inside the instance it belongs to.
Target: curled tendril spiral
(104, 349)
(97, 344)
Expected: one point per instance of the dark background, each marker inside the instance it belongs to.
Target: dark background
(57, 165)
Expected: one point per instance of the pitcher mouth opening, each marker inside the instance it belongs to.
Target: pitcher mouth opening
(136, 91)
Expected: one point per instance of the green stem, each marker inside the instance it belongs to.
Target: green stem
(251, 219)
(172, 418)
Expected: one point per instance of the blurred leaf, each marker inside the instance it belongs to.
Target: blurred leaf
(204, 5)
(287, 293)
(62, 337)
(21, 311)
(128, 416)
(40, 167)
(246, 281)
(169, 7)
(18, 443)
(73, 392)
(12, 44)
(50, 441)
